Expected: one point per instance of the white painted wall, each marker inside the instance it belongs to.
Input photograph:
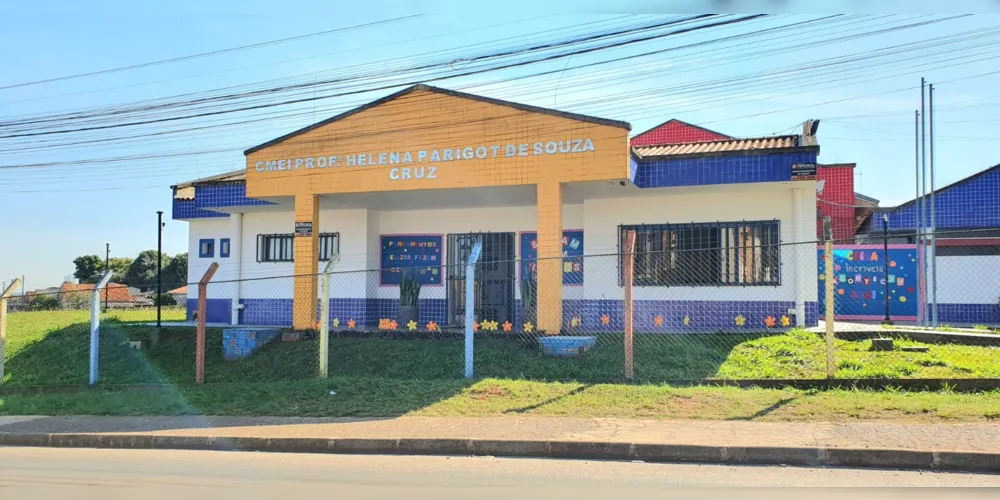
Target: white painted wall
(599, 218)
(749, 202)
(215, 229)
(971, 279)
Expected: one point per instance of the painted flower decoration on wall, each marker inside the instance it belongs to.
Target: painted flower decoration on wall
(507, 325)
(336, 322)
(605, 320)
(475, 326)
(741, 320)
(412, 325)
(770, 321)
(432, 326)
(786, 321)
(350, 323)
(528, 327)
(687, 320)
(658, 321)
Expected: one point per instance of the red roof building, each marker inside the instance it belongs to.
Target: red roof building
(676, 132)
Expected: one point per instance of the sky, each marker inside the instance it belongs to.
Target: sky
(93, 193)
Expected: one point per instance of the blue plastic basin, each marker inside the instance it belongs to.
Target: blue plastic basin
(566, 347)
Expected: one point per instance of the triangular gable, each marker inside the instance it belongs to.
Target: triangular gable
(453, 93)
(676, 132)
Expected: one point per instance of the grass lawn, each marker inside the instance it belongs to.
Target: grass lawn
(378, 397)
(51, 348)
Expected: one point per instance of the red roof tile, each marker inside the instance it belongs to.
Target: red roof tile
(676, 132)
(116, 292)
(750, 144)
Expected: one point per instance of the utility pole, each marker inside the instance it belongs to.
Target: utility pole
(159, 265)
(107, 267)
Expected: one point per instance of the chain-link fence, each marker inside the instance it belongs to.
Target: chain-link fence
(688, 303)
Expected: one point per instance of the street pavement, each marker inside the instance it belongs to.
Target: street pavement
(856, 435)
(192, 475)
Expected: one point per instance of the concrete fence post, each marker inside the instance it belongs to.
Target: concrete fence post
(831, 364)
(628, 266)
(95, 324)
(3, 322)
(324, 318)
(199, 355)
(470, 305)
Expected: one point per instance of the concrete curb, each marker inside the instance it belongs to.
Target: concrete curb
(595, 450)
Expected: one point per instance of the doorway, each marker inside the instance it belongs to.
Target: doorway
(495, 276)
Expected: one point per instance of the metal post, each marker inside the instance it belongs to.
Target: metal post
(628, 265)
(916, 195)
(95, 323)
(470, 304)
(831, 365)
(324, 319)
(3, 322)
(159, 265)
(107, 267)
(885, 265)
(923, 204)
(199, 355)
(930, 119)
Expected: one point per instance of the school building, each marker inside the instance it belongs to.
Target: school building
(412, 179)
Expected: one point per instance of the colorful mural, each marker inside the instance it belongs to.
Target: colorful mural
(572, 244)
(402, 252)
(860, 277)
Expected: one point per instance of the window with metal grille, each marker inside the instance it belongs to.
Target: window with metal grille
(281, 247)
(714, 254)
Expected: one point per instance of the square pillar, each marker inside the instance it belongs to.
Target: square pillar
(550, 250)
(306, 264)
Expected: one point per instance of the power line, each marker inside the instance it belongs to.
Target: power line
(211, 53)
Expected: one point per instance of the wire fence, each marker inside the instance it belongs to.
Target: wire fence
(724, 303)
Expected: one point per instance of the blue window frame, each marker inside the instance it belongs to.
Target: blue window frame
(224, 248)
(206, 248)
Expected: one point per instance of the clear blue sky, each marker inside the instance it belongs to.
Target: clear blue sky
(53, 214)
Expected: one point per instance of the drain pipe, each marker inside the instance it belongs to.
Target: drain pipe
(236, 253)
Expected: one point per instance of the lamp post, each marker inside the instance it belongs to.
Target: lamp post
(159, 266)
(885, 265)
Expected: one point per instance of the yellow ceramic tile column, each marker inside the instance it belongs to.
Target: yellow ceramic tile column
(306, 263)
(550, 256)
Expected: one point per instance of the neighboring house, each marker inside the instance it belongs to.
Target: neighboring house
(116, 295)
(179, 294)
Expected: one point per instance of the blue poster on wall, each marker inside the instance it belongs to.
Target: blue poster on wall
(572, 251)
(419, 253)
(860, 276)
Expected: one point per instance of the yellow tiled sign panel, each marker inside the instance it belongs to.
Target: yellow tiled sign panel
(430, 140)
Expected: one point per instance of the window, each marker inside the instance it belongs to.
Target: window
(717, 254)
(224, 247)
(281, 247)
(206, 248)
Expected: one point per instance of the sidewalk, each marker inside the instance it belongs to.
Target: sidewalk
(959, 446)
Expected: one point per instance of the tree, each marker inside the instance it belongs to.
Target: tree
(175, 274)
(88, 268)
(119, 268)
(141, 272)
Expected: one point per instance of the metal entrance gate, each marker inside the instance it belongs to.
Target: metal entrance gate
(495, 276)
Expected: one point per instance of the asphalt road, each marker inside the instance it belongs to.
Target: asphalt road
(191, 475)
